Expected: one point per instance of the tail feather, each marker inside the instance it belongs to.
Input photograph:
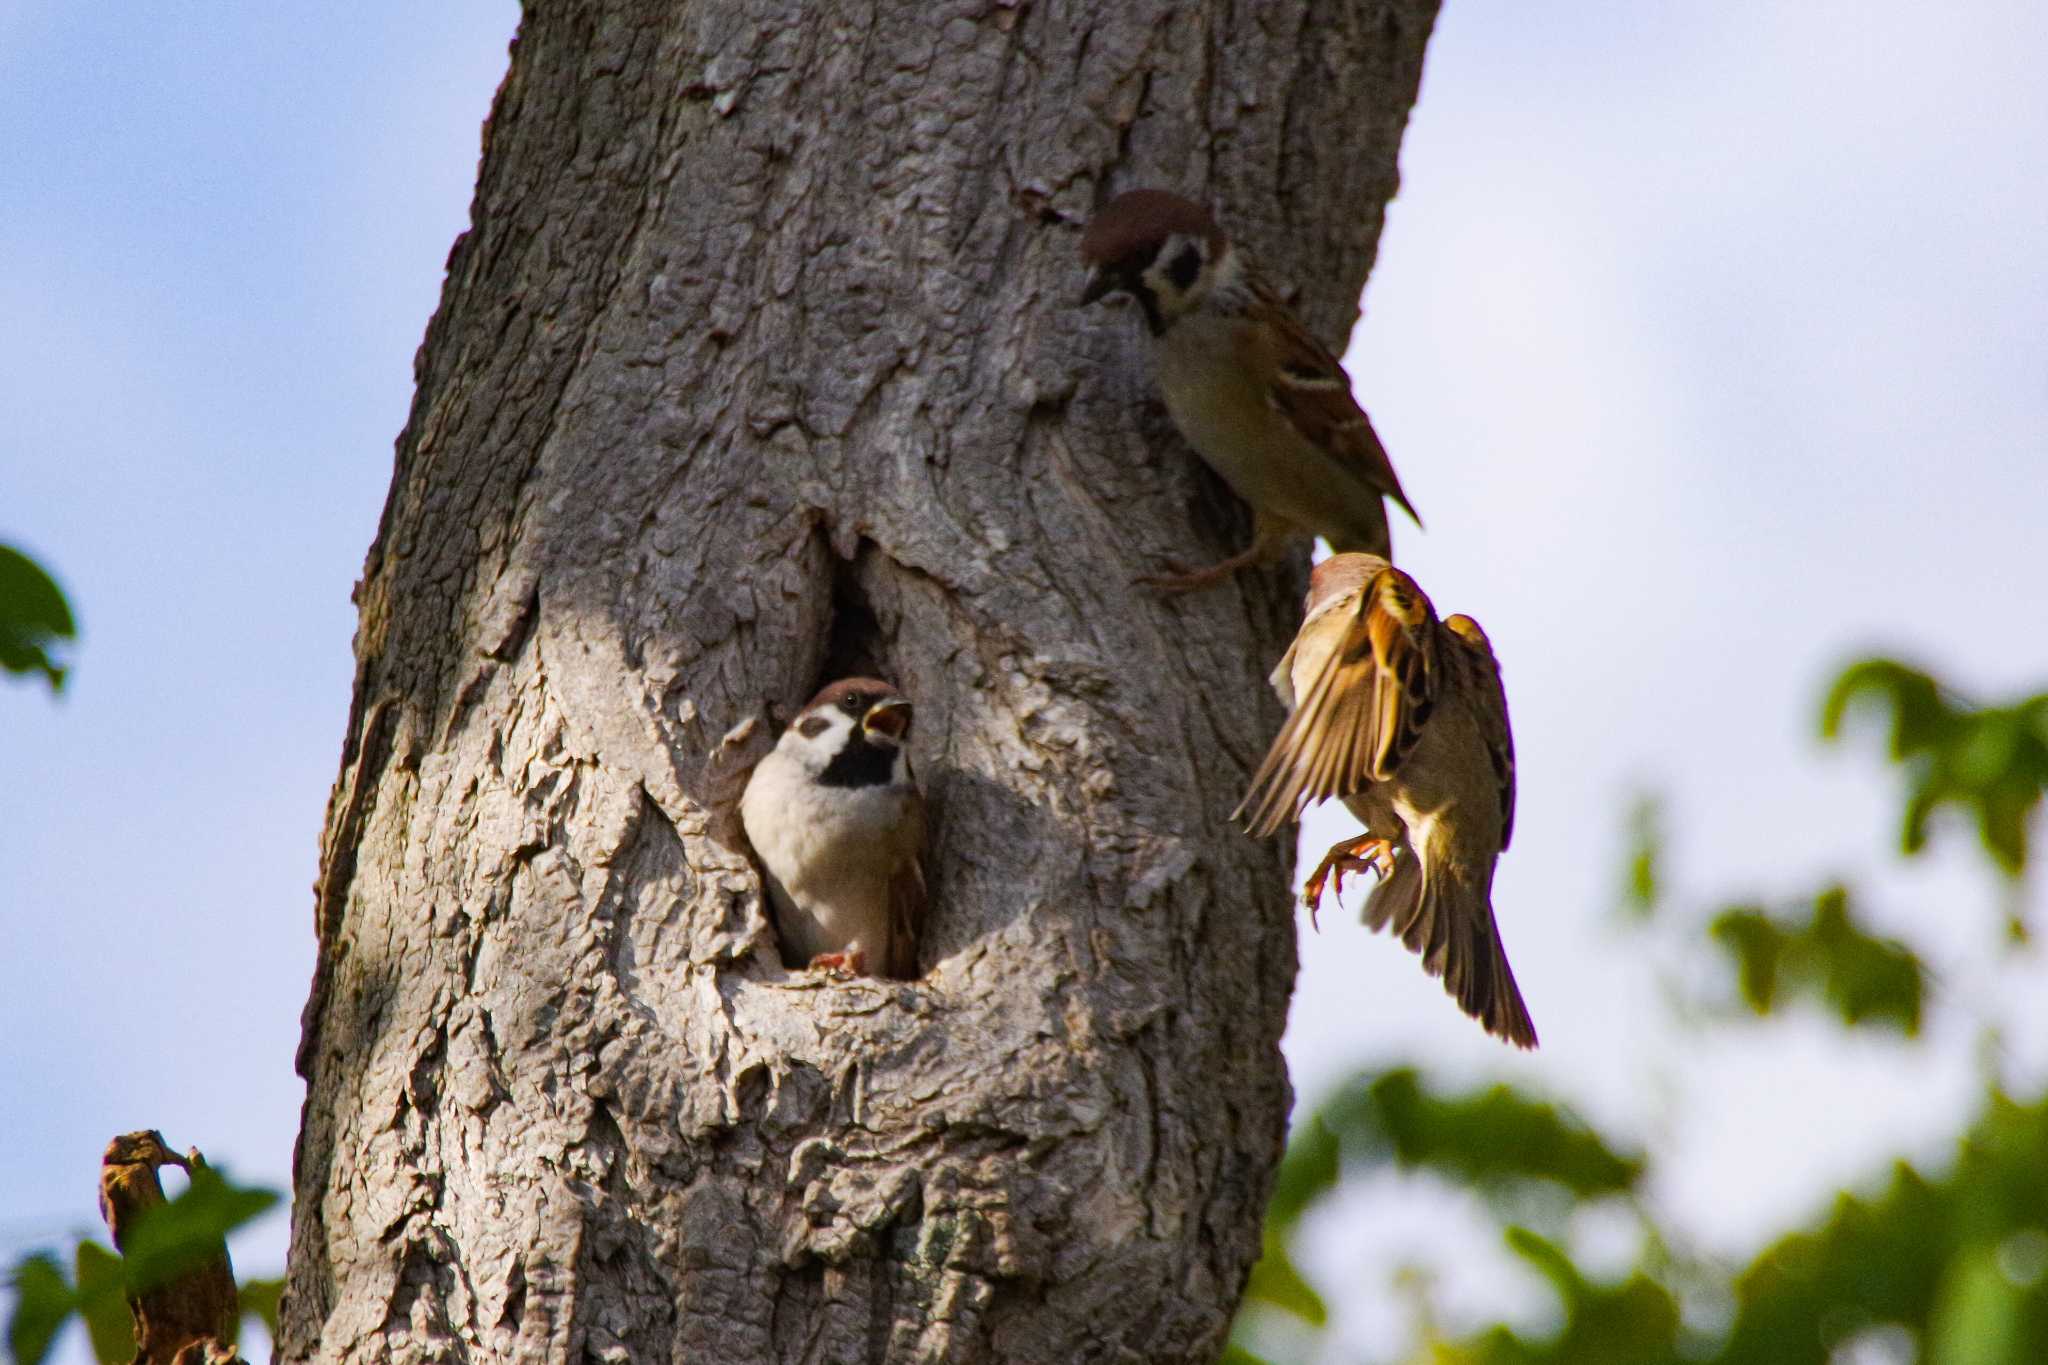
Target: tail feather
(1449, 922)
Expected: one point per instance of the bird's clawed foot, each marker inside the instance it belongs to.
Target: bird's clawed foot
(1178, 580)
(1365, 853)
(853, 963)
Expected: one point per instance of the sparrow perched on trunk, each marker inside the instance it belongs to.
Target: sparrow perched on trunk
(196, 1305)
(838, 821)
(1259, 398)
(1403, 717)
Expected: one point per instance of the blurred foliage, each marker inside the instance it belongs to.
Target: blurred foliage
(1494, 1141)
(1642, 884)
(1635, 1322)
(1489, 1139)
(1862, 978)
(259, 1300)
(1991, 761)
(1952, 1267)
(169, 1240)
(34, 618)
(1950, 1259)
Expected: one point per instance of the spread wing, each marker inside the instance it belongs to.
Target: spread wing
(1364, 710)
(1311, 390)
(907, 900)
(1490, 708)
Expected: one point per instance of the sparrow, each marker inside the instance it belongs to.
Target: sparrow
(1403, 717)
(837, 819)
(1264, 403)
(198, 1303)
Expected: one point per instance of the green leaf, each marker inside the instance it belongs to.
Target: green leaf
(1496, 1139)
(1277, 1281)
(176, 1237)
(103, 1303)
(1641, 883)
(1488, 1137)
(43, 1300)
(1908, 1256)
(1827, 956)
(1635, 1322)
(1979, 1314)
(1549, 1261)
(1914, 699)
(1989, 761)
(1865, 978)
(33, 617)
(260, 1299)
(1307, 1170)
(1757, 945)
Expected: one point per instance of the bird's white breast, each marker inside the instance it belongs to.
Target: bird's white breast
(829, 852)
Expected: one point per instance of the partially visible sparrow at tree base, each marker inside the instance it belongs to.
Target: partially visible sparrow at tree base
(191, 1318)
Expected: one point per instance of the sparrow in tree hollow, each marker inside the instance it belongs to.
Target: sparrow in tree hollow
(1259, 398)
(1403, 716)
(838, 821)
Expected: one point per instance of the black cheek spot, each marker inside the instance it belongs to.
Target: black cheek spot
(812, 726)
(860, 764)
(1183, 268)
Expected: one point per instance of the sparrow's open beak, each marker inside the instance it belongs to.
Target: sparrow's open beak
(891, 718)
(1101, 284)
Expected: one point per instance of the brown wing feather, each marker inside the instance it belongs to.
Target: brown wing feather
(907, 901)
(1402, 626)
(1311, 390)
(1362, 713)
(1490, 707)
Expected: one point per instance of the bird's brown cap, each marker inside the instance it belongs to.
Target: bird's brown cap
(855, 695)
(1337, 575)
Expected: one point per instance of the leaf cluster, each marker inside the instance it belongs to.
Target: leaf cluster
(34, 619)
(1825, 954)
(1496, 1141)
(1954, 1263)
(1991, 762)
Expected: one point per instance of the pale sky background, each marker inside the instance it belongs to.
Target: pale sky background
(1711, 340)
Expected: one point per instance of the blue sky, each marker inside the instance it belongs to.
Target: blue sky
(1711, 341)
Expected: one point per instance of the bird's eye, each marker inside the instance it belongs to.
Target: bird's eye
(810, 727)
(1183, 268)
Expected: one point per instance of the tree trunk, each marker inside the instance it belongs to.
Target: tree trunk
(762, 365)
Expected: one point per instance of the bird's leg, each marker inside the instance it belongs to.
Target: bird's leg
(1269, 538)
(1180, 580)
(854, 963)
(1365, 852)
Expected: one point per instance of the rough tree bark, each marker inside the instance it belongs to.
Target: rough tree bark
(761, 365)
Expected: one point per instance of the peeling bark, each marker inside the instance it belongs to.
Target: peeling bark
(760, 366)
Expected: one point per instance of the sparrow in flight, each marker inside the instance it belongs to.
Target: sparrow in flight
(1402, 716)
